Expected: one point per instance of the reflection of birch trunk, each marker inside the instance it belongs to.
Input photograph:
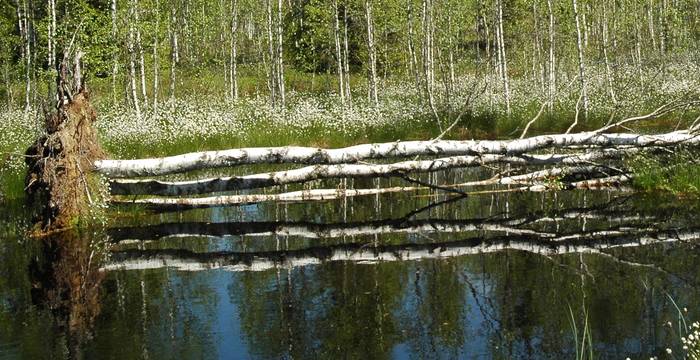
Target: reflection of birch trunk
(593, 242)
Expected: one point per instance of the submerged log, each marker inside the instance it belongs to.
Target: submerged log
(165, 204)
(354, 154)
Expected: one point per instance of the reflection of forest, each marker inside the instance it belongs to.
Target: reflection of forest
(471, 287)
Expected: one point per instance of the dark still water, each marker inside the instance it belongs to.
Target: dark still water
(397, 276)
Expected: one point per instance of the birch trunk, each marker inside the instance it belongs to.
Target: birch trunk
(346, 53)
(372, 54)
(51, 54)
(318, 172)
(156, 58)
(174, 50)
(234, 49)
(272, 75)
(132, 62)
(535, 181)
(352, 154)
(139, 48)
(115, 60)
(338, 52)
(581, 61)
(608, 71)
(413, 62)
(280, 61)
(504, 61)
(552, 86)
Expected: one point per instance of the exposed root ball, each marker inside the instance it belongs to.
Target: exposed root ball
(59, 162)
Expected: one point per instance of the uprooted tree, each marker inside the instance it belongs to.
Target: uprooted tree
(60, 161)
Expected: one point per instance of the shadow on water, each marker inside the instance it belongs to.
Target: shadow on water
(395, 276)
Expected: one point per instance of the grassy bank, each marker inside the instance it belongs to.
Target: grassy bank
(677, 173)
(314, 115)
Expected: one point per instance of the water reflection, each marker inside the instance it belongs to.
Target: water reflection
(65, 278)
(400, 276)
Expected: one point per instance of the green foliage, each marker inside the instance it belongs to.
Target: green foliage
(678, 173)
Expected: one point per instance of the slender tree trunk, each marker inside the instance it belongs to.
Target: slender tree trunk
(551, 88)
(8, 86)
(372, 53)
(504, 61)
(346, 54)
(234, 47)
(608, 71)
(581, 61)
(650, 19)
(132, 61)
(411, 47)
(451, 59)
(139, 48)
(115, 58)
(428, 64)
(174, 50)
(280, 57)
(24, 30)
(272, 77)
(338, 52)
(51, 54)
(156, 58)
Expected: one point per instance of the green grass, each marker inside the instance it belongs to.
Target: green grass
(677, 173)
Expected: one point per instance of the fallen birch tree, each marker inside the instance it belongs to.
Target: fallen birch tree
(165, 204)
(318, 172)
(475, 149)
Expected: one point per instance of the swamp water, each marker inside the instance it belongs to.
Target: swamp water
(410, 275)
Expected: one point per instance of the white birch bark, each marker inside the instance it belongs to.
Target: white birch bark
(608, 70)
(139, 48)
(536, 181)
(115, 60)
(581, 61)
(338, 52)
(552, 63)
(234, 51)
(174, 50)
(318, 172)
(280, 58)
(504, 61)
(272, 74)
(51, 54)
(132, 62)
(346, 54)
(309, 155)
(156, 57)
(372, 54)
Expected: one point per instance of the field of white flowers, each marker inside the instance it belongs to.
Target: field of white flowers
(189, 124)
